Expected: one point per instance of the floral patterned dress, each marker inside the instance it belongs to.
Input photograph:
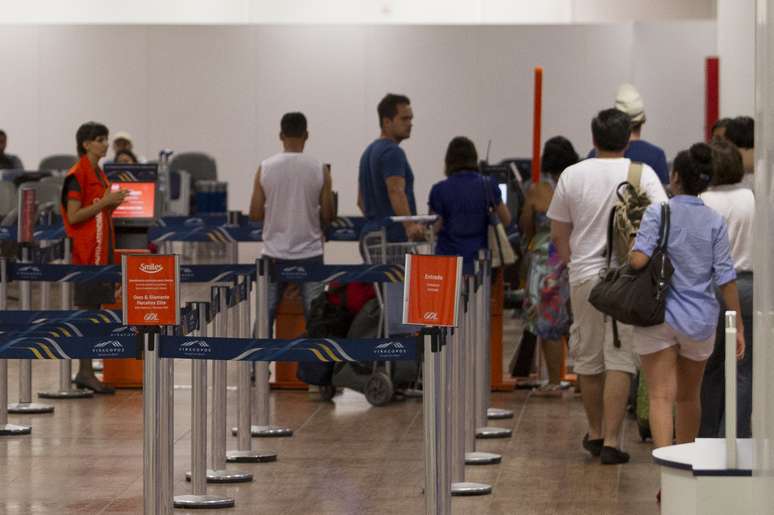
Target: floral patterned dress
(548, 287)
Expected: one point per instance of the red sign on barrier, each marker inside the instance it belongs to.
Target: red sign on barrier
(432, 290)
(26, 215)
(151, 289)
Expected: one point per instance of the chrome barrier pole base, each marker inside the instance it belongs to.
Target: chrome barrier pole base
(485, 433)
(482, 458)
(14, 430)
(251, 456)
(205, 502)
(498, 414)
(224, 476)
(466, 489)
(73, 393)
(29, 408)
(270, 431)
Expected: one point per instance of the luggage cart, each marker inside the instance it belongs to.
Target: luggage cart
(376, 249)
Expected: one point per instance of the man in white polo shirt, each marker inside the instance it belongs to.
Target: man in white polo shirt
(579, 213)
(293, 197)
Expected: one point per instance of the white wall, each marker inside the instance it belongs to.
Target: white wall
(736, 49)
(223, 89)
(352, 11)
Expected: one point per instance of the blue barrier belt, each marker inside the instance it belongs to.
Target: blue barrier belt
(63, 273)
(18, 317)
(321, 350)
(72, 329)
(112, 273)
(206, 228)
(211, 273)
(341, 273)
(214, 273)
(43, 347)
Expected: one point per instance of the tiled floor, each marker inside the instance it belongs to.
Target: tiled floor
(346, 457)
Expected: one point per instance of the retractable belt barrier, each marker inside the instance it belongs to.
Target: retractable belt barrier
(213, 228)
(210, 273)
(115, 346)
(89, 273)
(225, 315)
(20, 317)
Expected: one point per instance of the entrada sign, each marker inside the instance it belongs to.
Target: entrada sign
(432, 290)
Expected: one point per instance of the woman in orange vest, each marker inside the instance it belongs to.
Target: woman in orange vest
(87, 208)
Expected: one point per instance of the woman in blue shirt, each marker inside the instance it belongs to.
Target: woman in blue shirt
(462, 202)
(674, 353)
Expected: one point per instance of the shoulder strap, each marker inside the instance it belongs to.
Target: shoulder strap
(487, 194)
(635, 174)
(663, 239)
(610, 226)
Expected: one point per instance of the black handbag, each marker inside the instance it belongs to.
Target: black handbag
(635, 297)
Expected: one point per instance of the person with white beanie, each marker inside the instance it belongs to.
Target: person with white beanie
(630, 102)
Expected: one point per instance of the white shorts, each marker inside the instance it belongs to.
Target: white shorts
(648, 340)
(591, 337)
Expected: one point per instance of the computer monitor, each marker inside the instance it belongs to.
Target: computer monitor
(141, 206)
(147, 172)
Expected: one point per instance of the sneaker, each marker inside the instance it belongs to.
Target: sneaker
(593, 446)
(613, 456)
(548, 390)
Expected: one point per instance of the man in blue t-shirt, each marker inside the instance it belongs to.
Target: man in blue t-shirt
(385, 179)
(630, 102)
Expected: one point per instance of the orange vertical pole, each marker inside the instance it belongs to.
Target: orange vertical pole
(536, 123)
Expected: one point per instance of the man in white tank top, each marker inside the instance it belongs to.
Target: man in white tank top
(293, 198)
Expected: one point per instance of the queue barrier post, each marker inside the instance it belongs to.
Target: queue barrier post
(198, 475)
(241, 328)
(25, 405)
(217, 472)
(437, 474)
(6, 429)
(730, 400)
(486, 336)
(166, 427)
(66, 391)
(152, 473)
(459, 355)
(480, 342)
(262, 408)
(469, 328)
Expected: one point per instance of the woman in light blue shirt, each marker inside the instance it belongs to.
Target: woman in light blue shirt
(674, 353)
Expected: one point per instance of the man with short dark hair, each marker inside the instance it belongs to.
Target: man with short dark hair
(741, 132)
(629, 100)
(385, 180)
(293, 197)
(579, 213)
(8, 161)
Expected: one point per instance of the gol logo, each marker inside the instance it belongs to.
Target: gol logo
(151, 317)
(431, 316)
(151, 268)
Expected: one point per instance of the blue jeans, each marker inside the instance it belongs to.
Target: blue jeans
(309, 290)
(713, 388)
